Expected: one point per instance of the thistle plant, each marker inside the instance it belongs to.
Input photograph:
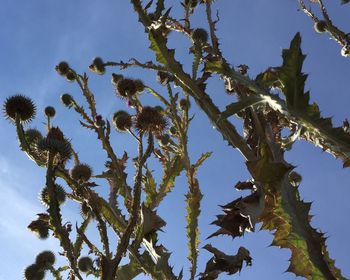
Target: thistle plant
(130, 210)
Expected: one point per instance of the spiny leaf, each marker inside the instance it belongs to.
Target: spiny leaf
(171, 169)
(193, 198)
(318, 130)
(150, 187)
(151, 222)
(221, 262)
(289, 218)
(291, 77)
(129, 271)
(197, 56)
(159, 52)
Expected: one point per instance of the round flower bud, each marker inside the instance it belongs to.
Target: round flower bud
(126, 88)
(200, 36)
(67, 100)
(116, 78)
(164, 78)
(98, 66)
(34, 272)
(85, 264)
(184, 104)
(70, 76)
(45, 260)
(60, 195)
(50, 111)
(32, 136)
(62, 68)
(173, 131)
(81, 172)
(345, 51)
(150, 120)
(164, 140)
(21, 106)
(122, 121)
(295, 179)
(320, 26)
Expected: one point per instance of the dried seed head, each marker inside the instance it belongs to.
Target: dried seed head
(122, 121)
(32, 136)
(45, 260)
(67, 100)
(70, 76)
(164, 78)
(150, 120)
(60, 195)
(21, 106)
(98, 66)
(140, 87)
(85, 264)
(200, 36)
(184, 104)
(126, 88)
(50, 111)
(81, 172)
(34, 272)
(62, 68)
(320, 26)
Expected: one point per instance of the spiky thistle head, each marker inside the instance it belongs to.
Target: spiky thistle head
(98, 66)
(67, 100)
(45, 260)
(122, 120)
(81, 172)
(55, 143)
(21, 106)
(126, 88)
(62, 68)
(59, 192)
(295, 178)
(34, 272)
(150, 120)
(200, 36)
(320, 26)
(85, 264)
(50, 111)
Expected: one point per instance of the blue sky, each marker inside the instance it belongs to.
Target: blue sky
(36, 35)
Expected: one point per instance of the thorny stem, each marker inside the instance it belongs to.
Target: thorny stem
(214, 39)
(339, 36)
(133, 62)
(55, 218)
(134, 215)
